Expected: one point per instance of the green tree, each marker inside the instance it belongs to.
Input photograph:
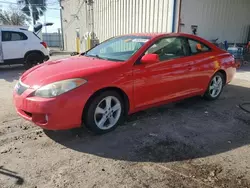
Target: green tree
(13, 16)
(33, 8)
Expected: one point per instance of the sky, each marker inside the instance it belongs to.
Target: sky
(51, 15)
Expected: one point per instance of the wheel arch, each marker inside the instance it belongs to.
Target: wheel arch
(223, 72)
(33, 51)
(121, 92)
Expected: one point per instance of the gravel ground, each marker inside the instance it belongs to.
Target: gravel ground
(192, 143)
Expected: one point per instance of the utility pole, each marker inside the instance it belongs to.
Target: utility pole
(60, 38)
(62, 32)
(91, 37)
(45, 22)
(90, 4)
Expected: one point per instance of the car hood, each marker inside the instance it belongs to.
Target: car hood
(73, 67)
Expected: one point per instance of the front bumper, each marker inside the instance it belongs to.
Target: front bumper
(62, 112)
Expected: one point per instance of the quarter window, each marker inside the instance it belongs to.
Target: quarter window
(197, 47)
(168, 48)
(13, 36)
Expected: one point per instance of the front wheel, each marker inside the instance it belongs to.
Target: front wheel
(105, 112)
(215, 87)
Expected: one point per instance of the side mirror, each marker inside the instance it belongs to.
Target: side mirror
(150, 59)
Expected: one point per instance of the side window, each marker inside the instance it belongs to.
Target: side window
(13, 36)
(6, 36)
(168, 48)
(197, 47)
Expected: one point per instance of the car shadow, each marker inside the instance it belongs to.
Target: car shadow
(11, 73)
(12, 174)
(185, 130)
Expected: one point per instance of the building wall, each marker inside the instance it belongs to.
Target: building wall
(73, 17)
(116, 17)
(223, 19)
(131, 16)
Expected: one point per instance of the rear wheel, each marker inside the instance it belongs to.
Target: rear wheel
(32, 59)
(215, 87)
(105, 112)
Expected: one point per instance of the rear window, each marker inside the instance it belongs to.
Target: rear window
(13, 36)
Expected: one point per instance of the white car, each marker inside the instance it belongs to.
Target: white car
(18, 45)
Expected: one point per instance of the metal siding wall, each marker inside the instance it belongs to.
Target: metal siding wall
(118, 17)
(223, 19)
(115, 17)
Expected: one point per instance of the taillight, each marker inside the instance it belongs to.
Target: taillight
(44, 44)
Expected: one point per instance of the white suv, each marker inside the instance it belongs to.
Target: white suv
(20, 46)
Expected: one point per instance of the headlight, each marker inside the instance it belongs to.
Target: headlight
(58, 88)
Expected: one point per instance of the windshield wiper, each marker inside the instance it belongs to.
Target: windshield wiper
(109, 59)
(96, 56)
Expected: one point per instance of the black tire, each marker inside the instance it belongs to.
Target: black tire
(208, 94)
(89, 115)
(32, 59)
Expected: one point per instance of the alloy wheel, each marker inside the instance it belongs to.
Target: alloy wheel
(107, 112)
(215, 86)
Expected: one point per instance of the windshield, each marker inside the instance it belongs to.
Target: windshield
(118, 48)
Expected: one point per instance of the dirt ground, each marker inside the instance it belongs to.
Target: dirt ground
(192, 143)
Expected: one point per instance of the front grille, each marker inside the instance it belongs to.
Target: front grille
(20, 88)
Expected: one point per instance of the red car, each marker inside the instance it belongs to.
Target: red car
(121, 76)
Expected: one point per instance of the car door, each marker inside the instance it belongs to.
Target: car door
(201, 68)
(164, 80)
(13, 45)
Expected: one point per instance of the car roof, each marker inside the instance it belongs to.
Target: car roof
(162, 34)
(158, 35)
(145, 34)
(13, 28)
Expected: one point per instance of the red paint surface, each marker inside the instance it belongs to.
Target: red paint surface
(146, 85)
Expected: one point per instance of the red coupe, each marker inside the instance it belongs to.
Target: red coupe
(121, 76)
